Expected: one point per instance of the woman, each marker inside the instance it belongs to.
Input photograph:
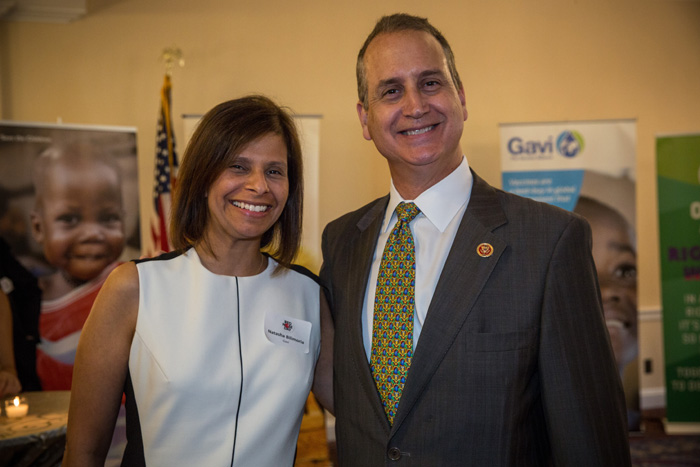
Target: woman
(215, 344)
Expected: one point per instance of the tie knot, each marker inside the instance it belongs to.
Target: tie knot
(407, 211)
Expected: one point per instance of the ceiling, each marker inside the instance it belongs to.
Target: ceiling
(49, 11)
(56, 11)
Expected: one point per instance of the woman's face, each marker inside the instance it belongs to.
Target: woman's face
(248, 197)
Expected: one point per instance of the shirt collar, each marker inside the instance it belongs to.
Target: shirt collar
(441, 202)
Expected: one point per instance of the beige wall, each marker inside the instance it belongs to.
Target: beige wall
(520, 60)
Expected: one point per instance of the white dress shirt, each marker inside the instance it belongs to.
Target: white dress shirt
(441, 209)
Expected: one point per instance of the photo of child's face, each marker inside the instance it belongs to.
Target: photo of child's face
(80, 218)
(616, 261)
(615, 257)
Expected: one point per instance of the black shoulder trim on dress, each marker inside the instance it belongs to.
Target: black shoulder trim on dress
(162, 256)
(302, 270)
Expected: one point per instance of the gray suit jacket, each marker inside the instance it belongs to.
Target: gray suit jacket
(513, 365)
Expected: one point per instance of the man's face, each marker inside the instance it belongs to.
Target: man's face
(616, 263)
(415, 115)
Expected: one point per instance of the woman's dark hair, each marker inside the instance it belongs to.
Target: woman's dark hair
(218, 139)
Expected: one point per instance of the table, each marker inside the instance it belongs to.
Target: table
(39, 438)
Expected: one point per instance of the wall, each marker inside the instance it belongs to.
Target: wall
(520, 61)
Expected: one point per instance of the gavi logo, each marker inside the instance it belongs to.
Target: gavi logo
(569, 143)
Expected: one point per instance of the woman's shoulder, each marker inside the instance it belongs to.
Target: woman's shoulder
(124, 279)
(304, 272)
(295, 276)
(117, 302)
(159, 257)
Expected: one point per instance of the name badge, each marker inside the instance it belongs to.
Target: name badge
(284, 330)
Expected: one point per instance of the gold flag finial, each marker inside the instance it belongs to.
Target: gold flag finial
(172, 56)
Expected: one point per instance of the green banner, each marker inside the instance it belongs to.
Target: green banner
(678, 169)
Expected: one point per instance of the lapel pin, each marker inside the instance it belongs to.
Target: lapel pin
(484, 250)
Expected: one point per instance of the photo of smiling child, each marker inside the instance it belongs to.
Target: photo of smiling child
(79, 221)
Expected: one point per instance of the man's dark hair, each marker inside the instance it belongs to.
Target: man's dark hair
(396, 23)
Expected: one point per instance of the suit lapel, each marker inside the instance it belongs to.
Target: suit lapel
(462, 278)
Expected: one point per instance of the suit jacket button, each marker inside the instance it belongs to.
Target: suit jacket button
(394, 454)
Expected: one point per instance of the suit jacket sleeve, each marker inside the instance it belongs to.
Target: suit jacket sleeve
(581, 392)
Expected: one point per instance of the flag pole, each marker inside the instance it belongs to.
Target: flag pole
(171, 56)
(166, 158)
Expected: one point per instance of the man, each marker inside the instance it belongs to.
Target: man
(510, 361)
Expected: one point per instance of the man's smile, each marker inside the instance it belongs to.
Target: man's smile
(419, 131)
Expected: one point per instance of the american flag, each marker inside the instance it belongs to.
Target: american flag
(165, 171)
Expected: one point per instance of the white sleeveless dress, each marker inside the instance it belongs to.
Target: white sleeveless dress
(220, 366)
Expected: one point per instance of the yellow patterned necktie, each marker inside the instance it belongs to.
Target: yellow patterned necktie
(394, 303)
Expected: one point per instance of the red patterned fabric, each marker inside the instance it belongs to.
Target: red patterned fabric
(60, 319)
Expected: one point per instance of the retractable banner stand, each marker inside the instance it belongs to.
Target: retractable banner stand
(69, 210)
(548, 161)
(589, 167)
(678, 171)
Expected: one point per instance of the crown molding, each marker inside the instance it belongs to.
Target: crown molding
(61, 11)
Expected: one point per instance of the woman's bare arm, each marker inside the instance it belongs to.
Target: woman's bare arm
(323, 376)
(100, 369)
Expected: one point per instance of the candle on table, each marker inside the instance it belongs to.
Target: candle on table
(16, 408)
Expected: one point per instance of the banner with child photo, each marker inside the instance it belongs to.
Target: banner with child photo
(589, 167)
(69, 215)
